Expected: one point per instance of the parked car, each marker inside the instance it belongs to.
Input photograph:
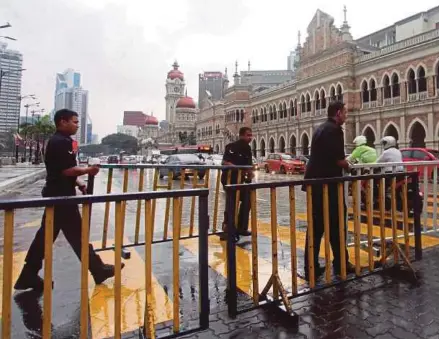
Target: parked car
(283, 163)
(420, 154)
(182, 160)
(113, 159)
(214, 160)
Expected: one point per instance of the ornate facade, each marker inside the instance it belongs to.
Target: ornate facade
(388, 80)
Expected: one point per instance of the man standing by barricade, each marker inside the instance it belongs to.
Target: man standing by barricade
(239, 153)
(327, 160)
(61, 180)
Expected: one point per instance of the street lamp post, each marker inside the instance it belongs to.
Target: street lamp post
(20, 98)
(25, 135)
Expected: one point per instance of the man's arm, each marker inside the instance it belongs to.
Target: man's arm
(227, 157)
(339, 150)
(77, 171)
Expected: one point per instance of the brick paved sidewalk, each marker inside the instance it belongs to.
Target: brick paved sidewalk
(387, 305)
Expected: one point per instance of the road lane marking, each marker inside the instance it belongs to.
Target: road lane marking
(101, 297)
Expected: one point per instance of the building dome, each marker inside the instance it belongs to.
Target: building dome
(150, 120)
(175, 73)
(186, 102)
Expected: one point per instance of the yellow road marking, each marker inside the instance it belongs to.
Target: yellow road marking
(217, 261)
(133, 298)
(17, 265)
(284, 236)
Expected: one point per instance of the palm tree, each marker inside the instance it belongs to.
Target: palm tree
(39, 132)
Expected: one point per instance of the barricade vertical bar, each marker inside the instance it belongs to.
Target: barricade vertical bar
(117, 270)
(8, 240)
(382, 206)
(405, 210)
(356, 206)
(435, 183)
(124, 203)
(48, 262)
(192, 217)
(274, 259)
(369, 212)
(203, 261)
(394, 220)
(417, 218)
(182, 178)
(254, 228)
(139, 207)
(207, 178)
(426, 192)
(154, 188)
(107, 209)
(326, 233)
(216, 203)
(176, 219)
(85, 229)
(231, 255)
(293, 245)
(148, 318)
(238, 193)
(310, 239)
(168, 206)
(342, 229)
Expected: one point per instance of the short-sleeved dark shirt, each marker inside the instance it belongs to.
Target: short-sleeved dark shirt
(60, 155)
(238, 153)
(327, 147)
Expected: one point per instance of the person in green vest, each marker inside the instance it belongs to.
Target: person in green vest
(362, 154)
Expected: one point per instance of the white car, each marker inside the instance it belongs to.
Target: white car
(214, 160)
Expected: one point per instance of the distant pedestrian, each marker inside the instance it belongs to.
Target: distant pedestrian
(61, 180)
(327, 160)
(239, 153)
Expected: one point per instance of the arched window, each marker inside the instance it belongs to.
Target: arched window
(332, 96)
(386, 87)
(265, 114)
(242, 115)
(274, 112)
(422, 81)
(436, 73)
(323, 99)
(302, 104)
(364, 92)
(395, 86)
(411, 81)
(295, 107)
(271, 113)
(285, 109)
(237, 116)
(308, 103)
(339, 93)
(317, 100)
(291, 108)
(373, 90)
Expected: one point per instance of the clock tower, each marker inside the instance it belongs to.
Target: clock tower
(175, 86)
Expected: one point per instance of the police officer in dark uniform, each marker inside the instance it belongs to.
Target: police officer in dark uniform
(327, 160)
(61, 180)
(239, 153)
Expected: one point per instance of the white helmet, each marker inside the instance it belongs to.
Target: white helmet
(388, 142)
(360, 140)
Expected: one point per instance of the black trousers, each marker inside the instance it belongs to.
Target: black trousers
(318, 226)
(244, 210)
(68, 220)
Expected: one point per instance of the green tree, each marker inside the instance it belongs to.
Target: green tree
(119, 142)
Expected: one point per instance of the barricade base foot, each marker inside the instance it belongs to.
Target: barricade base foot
(125, 254)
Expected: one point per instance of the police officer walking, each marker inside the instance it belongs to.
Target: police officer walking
(239, 153)
(61, 180)
(327, 160)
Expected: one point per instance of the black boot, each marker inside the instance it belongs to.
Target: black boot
(103, 273)
(29, 279)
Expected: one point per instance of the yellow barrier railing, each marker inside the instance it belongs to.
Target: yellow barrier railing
(326, 218)
(54, 207)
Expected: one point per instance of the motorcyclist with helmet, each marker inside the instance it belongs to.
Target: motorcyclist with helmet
(362, 154)
(391, 153)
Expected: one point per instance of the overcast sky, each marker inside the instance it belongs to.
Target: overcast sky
(124, 48)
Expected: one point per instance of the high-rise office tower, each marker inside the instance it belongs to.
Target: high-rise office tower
(210, 84)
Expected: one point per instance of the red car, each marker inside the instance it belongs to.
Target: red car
(420, 154)
(283, 163)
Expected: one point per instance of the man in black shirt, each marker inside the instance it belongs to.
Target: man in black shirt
(239, 153)
(327, 160)
(61, 180)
